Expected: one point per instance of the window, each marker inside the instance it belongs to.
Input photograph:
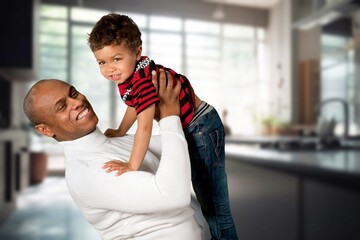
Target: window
(338, 80)
(53, 59)
(225, 63)
(53, 39)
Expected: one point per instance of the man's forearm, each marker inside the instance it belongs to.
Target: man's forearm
(174, 169)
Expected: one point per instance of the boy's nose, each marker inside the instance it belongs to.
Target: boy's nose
(111, 68)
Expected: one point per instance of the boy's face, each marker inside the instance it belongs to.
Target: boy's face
(117, 62)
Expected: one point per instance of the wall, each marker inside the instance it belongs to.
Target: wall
(186, 9)
(18, 46)
(19, 90)
(280, 43)
(306, 47)
(309, 46)
(18, 66)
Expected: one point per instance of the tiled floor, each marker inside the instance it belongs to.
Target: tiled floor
(46, 212)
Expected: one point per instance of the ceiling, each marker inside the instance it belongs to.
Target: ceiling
(263, 4)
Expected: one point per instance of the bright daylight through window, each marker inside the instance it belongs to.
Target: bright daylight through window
(226, 63)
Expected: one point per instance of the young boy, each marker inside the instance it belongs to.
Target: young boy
(116, 43)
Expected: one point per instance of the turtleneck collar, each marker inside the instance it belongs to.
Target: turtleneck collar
(87, 143)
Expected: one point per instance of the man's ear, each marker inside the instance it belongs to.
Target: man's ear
(44, 130)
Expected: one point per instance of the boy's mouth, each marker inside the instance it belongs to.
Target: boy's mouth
(115, 77)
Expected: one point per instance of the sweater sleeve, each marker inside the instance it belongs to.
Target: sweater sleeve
(143, 192)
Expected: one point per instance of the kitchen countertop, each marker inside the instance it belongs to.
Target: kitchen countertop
(333, 166)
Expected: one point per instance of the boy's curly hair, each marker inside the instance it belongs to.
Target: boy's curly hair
(115, 29)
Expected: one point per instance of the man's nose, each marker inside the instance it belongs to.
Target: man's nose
(75, 103)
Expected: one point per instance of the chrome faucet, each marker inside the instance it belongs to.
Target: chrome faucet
(345, 112)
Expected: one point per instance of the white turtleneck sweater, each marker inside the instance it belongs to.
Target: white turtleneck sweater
(152, 203)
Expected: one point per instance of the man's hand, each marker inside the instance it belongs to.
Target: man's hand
(169, 96)
(116, 165)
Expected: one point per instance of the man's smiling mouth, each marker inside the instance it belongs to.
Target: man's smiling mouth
(82, 114)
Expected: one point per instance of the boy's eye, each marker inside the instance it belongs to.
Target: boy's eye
(117, 59)
(101, 62)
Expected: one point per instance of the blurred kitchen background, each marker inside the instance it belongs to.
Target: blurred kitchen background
(283, 75)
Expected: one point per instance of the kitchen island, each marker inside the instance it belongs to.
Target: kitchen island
(300, 194)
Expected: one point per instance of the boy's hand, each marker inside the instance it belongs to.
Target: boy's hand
(119, 166)
(112, 133)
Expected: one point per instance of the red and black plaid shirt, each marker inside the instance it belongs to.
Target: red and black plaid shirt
(139, 92)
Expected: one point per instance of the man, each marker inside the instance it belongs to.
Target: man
(151, 204)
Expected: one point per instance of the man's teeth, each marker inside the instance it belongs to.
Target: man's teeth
(83, 114)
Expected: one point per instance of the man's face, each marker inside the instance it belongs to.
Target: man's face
(67, 113)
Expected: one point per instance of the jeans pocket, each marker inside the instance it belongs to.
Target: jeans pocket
(218, 143)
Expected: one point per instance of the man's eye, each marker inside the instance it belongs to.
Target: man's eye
(74, 94)
(61, 107)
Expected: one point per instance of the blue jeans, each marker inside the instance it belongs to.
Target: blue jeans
(206, 141)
